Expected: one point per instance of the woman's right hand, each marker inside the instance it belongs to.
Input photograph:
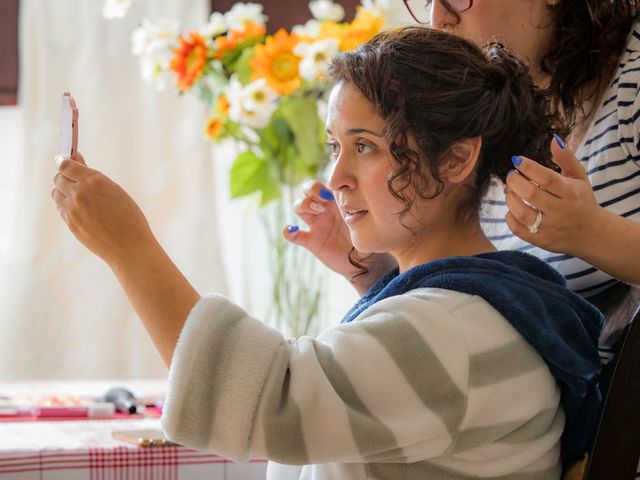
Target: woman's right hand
(328, 238)
(101, 215)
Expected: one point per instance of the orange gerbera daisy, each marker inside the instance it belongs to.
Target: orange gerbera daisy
(189, 60)
(213, 128)
(333, 30)
(227, 43)
(222, 105)
(276, 62)
(364, 27)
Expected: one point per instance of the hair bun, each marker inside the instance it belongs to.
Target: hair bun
(518, 118)
(507, 67)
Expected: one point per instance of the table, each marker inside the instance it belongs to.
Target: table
(86, 450)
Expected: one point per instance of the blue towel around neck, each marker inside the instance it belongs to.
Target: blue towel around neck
(559, 324)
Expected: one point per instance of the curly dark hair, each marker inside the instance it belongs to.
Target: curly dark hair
(436, 88)
(439, 88)
(588, 37)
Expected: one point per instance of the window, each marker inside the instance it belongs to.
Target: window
(296, 12)
(9, 51)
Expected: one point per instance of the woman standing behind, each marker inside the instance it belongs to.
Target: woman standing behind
(583, 221)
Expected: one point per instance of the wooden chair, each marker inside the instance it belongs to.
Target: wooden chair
(616, 447)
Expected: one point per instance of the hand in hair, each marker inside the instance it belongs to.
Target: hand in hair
(572, 221)
(565, 199)
(328, 238)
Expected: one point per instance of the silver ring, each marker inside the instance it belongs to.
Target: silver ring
(534, 228)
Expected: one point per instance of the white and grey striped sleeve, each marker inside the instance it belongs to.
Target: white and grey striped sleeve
(389, 387)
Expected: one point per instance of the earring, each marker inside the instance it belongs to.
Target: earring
(553, 3)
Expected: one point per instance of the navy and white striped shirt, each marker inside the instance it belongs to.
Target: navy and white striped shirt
(610, 152)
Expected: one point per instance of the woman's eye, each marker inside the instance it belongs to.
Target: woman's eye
(333, 148)
(363, 147)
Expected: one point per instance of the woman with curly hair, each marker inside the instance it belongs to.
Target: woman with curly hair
(455, 364)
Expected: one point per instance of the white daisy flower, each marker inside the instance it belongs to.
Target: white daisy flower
(259, 95)
(115, 8)
(151, 37)
(140, 40)
(241, 13)
(378, 7)
(252, 105)
(155, 70)
(309, 29)
(326, 10)
(216, 26)
(316, 58)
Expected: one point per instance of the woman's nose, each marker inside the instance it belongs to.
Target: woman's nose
(441, 17)
(342, 177)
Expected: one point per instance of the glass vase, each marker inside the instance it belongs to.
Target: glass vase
(297, 278)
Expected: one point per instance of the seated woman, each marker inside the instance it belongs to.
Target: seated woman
(453, 365)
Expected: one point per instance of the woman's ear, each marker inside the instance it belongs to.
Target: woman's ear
(462, 158)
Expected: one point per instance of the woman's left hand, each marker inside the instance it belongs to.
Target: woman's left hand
(102, 216)
(565, 200)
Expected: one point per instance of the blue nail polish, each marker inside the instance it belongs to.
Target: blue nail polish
(293, 228)
(517, 160)
(326, 194)
(510, 171)
(559, 140)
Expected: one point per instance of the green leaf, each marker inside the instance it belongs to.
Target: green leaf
(277, 141)
(250, 174)
(309, 138)
(270, 139)
(283, 132)
(242, 68)
(271, 191)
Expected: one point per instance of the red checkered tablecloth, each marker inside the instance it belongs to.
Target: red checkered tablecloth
(163, 463)
(87, 450)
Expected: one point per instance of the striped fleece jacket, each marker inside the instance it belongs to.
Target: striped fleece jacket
(428, 384)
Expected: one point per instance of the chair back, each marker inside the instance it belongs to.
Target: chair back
(616, 448)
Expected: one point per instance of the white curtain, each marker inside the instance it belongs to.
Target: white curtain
(63, 314)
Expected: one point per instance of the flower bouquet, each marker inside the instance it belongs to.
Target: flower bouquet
(267, 93)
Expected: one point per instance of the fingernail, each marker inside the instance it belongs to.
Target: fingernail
(517, 160)
(510, 171)
(316, 207)
(293, 228)
(58, 159)
(326, 194)
(559, 140)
